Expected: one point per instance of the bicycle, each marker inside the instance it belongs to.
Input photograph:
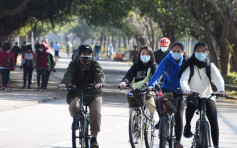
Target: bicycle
(167, 119)
(202, 138)
(140, 120)
(81, 121)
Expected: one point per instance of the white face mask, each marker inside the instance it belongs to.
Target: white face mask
(8, 51)
(164, 49)
(41, 49)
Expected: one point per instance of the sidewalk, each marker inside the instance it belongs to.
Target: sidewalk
(16, 97)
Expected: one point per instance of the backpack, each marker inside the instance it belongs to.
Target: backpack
(208, 71)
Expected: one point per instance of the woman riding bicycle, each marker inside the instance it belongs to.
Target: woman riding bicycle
(171, 65)
(139, 72)
(200, 81)
(82, 72)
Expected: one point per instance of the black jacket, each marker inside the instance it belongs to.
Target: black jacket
(139, 72)
(160, 55)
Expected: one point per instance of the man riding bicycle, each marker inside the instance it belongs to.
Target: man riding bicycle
(82, 72)
(197, 74)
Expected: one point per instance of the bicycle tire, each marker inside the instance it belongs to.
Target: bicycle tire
(149, 134)
(172, 139)
(196, 142)
(204, 135)
(87, 136)
(74, 137)
(135, 130)
(163, 131)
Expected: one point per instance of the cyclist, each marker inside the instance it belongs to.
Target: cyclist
(139, 72)
(161, 53)
(201, 82)
(82, 72)
(171, 65)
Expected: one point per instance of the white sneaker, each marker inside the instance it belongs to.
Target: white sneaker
(155, 117)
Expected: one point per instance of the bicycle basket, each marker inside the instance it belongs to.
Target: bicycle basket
(136, 98)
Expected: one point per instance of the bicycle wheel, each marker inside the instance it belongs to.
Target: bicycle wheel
(196, 141)
(149, 133)
(74, 135)
(172, 139)
(163, 131)
(204, 135)
(135, 129)
(87, 135)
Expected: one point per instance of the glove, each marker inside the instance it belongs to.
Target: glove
(98, 85)
(122, 85)
(186, 92)
(62, 86)
(223, 93)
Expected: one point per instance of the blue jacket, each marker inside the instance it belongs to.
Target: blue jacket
(171, 80)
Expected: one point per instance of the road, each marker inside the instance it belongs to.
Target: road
(48, 125)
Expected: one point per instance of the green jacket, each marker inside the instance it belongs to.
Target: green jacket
(82, 75)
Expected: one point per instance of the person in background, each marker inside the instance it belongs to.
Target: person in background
(110, 50)
(56, 50)
(97, 49)
(16, 50)
(27, 64)
(161, 53)
(48, 72)
(43, 64)
(7, 64)
(23, 47)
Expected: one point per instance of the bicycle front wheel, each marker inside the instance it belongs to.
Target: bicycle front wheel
(149, 134)
(135, 129)
(204, 135)
(163, 131)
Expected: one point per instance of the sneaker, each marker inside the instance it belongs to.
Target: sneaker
(38, 88)
(94, 143)
(29, 87)
(178, 145)
(157, 126)
(23, 87)
(3, 88)
(187, 131)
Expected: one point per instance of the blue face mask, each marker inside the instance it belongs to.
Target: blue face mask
(145, 58)
(200, 56)
(176, 56)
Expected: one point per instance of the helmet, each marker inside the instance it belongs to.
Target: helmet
(164, 42)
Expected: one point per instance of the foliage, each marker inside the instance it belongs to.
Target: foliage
(231, 78)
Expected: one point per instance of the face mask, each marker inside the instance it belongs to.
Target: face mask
(164, 49)
(8, 51)
(200, 56)
(41, 49)
(145, 58)
(86, 59)
(176, 56)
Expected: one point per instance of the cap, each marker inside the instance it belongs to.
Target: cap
(85, 48)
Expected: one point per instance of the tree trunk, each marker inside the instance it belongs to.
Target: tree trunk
(104, 44)
(224, 57)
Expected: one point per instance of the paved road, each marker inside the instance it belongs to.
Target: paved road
(48, 124)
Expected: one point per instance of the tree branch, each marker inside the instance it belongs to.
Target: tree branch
(15, 10)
